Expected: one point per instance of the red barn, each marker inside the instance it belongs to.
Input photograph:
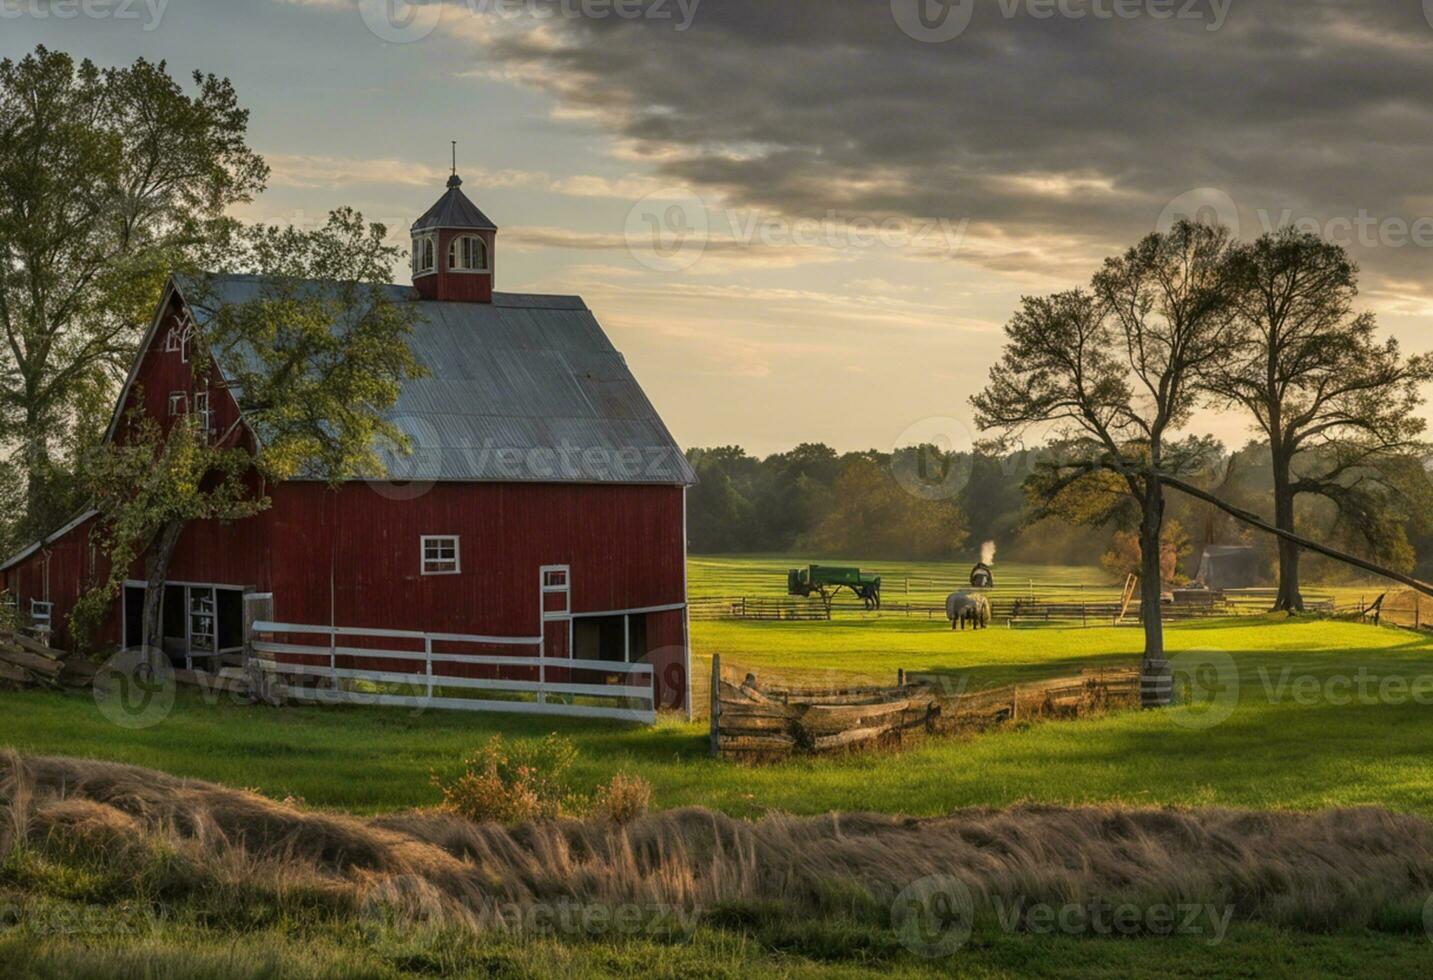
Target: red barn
(542, 509)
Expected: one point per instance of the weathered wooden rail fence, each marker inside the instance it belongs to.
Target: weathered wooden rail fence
(751, 722)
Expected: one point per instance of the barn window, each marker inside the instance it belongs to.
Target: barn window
(440, 555)
(425, 254)
(178, 403)
(468, 253)
(171, 341)
(556, 591)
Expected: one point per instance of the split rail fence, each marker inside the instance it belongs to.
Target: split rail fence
(752, 722)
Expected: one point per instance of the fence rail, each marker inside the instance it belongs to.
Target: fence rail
(358, 674)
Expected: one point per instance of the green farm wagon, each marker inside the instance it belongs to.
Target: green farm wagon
(827, 580)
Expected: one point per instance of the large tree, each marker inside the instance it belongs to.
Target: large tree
(314, 368)
(109, 180)
(1337, 405)
(1116, 372)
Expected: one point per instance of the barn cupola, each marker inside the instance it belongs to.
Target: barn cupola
(453, 245)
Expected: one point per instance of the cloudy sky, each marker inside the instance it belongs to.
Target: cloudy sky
(809, 219)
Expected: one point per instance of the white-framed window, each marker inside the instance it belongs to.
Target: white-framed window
(41, 615)
(171, 340)
(178, 403)
(556, 591)
(201, 411)
(468, 253)
(425, 254)
(441, 555)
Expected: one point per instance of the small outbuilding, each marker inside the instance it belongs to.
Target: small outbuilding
(1229, 566)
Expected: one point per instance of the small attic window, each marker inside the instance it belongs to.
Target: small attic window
(425, 254)
(171, 341)
(468, 253)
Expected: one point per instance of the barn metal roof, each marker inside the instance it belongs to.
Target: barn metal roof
(454, 210)
(527, 388)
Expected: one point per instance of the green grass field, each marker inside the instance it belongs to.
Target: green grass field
(1299, 736)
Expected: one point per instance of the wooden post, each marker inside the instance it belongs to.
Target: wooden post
(428, 660)
(258, 608)
(901, 678)
(716, 705)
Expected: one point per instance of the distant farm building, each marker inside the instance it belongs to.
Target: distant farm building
(544, 497)
(1229, 566)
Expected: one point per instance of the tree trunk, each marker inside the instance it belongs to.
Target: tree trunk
(36, 453)
(1289, 599)
(156, 570)
(1156, 680)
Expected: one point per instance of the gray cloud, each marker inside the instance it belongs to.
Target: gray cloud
(1076, 129)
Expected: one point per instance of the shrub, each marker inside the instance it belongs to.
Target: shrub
(625, 798)
(510, 784)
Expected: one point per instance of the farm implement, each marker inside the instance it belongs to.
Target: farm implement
(827, 580)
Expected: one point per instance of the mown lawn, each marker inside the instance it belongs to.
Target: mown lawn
(1287, 743)
(1280, 747)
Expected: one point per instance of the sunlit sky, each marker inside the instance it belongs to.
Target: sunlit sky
(850, 199)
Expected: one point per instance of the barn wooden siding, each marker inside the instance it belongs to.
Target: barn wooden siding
(355, 553)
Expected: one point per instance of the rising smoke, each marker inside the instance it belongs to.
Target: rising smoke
(987, 552)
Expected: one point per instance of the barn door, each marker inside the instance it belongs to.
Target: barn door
(556, 599)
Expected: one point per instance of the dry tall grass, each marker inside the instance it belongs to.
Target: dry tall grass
(181, 840)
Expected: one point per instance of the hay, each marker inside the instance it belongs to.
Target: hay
(1305, 870)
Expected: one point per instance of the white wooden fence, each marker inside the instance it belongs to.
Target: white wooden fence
(628, 694)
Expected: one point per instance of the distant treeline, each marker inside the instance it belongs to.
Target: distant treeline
(921, 504)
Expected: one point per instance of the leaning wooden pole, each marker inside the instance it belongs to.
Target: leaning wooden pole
(1255, 521)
